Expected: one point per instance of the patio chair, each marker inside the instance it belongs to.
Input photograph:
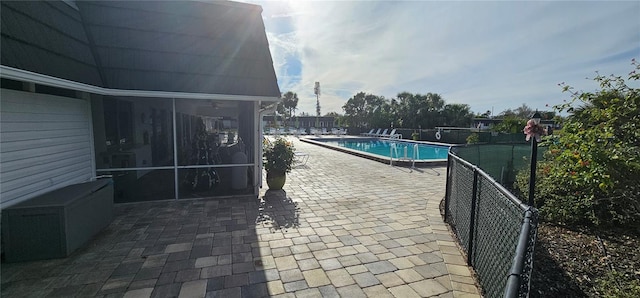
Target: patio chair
(300, 158)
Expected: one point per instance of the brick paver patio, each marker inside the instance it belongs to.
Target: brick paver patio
(343, 227)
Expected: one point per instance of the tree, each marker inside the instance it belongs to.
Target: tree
(590, 171)
(510, 124)
(524, 111)
(458, 115)
(367, 110)
(290, 103)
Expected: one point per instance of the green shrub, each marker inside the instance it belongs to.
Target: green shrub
(473, 138)
(590, 172)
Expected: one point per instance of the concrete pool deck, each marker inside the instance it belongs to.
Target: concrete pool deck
(344, 226)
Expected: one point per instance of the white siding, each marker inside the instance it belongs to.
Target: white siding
(45, 144)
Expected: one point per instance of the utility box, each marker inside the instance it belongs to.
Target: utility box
(55, 224)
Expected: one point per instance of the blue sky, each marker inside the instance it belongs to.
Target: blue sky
(489, 55)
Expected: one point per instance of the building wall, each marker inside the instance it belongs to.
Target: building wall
(45, 144)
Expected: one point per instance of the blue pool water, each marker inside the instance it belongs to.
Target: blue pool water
(397, 149)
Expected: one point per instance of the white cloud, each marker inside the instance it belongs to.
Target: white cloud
(485, 54)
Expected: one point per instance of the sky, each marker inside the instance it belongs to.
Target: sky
(492, 56)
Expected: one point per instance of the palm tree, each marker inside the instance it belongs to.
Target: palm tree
(290, 102)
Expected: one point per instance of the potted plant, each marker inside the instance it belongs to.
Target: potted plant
(277, 158)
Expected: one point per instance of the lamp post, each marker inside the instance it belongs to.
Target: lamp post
(534, 156)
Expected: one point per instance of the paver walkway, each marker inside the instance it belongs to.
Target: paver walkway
(343, 227)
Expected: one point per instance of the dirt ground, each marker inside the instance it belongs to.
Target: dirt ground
(568, 262)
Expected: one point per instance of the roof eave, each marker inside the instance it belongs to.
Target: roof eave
(7, 72)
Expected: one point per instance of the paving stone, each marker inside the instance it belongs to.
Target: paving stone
(141, 284)
(139, 293)
(316, 278)
(148, 273)
(214, 284)
(187, 275)
(166, 278)
(224, 293)
(308, 293)
(200, 251)
(308, 264)
(340, 277)
(178, 265)
(365, 279)
(428, 287)
(330, 264)
(155, 261)
(328, 292)
(377, 291)
(168, 290)
(281, 252)
(127, 268)
(214, 271)
(352, 291)
(295, 286)
(409, 275)
(404, 291)
(285, 263)
(255, 290)
(291, 275)
(348, 261)
(206, 261)
(275, 287)
(236, 280)
(390, 279)
(461, 270)
(171, 248)
(380, 267)
(366, 257)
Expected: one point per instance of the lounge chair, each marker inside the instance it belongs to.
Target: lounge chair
(368, 133)
(383, 134)
(375, 133)
(394, 135)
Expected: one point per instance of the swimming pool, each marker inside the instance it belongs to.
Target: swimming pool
(386, 150)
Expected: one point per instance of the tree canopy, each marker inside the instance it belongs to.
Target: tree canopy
(590, 171)
(405, 110)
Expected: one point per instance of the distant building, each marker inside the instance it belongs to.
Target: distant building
(487, 124)
(305, 122)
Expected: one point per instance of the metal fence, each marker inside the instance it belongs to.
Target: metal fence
(496, 230)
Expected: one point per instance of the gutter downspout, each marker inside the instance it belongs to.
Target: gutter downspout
(270, 109)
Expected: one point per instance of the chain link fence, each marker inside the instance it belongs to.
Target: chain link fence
(496, 230)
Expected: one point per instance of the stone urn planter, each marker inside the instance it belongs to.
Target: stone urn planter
(276, 181)
(277, 160)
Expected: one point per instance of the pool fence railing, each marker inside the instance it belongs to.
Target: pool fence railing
(496, 231)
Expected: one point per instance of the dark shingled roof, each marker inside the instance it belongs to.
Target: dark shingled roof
(46, 38)
(202, 47)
